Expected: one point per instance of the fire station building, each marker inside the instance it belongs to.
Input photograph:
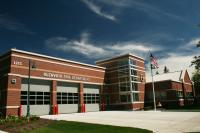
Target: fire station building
(44, 82)
(116, 83)
(53, 81)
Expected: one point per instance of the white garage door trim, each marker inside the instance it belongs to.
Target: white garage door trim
(67, 97)
(91, 97)
(39, 97)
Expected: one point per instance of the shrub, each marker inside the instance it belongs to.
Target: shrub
(34, 117)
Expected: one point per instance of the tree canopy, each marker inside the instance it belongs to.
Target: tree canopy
(196, 74)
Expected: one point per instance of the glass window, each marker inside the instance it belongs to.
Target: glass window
(135, 86)
(125, 98)
(32, 93)
(67, 98)
(39, 93)
(189, 95)
(32, 102)
(133, 72)
(39, 102)
(23, 92)
(179, 94)
(123, 62)
(164, 94)
(23, 102)
(91, 98)
(134, 78)
(132, 62)
(135, 97)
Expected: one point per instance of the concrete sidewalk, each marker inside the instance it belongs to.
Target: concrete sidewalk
(157, 121)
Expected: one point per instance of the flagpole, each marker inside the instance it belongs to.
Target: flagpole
(154, 99)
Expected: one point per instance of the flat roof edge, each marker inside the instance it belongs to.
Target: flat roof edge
(56, 58)
(129, 54)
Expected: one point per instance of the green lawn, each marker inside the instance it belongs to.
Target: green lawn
(78, 127)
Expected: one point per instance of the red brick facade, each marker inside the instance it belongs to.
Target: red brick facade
(170, 93)
(14, 67)
(113, 93)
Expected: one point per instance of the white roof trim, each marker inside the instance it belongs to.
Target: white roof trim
(55, 58)
(129, 54)
(177, 76)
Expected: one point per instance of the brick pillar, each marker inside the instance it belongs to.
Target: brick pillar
(101, 95)
(81, 97)
(184, 94)
(53, 96)
(13, 94)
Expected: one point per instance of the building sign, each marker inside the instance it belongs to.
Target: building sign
(18, 63)
(65, 76)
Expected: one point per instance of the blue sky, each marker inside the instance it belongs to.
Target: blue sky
(89, 30)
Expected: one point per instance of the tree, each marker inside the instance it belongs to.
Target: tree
(166, 70)
(196, 80)
(198, 45)
(196, 61)
(157, 72)
(196, 74)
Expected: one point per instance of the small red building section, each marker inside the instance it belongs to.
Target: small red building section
(171, 89)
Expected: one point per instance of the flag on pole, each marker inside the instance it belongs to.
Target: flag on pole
(154, 63)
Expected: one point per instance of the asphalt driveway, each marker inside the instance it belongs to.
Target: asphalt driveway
(157, 121)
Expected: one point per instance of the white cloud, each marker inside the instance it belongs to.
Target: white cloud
(133, 46)
(174, 63)
(98, 10)
(95, 51)
(192, 43)
(117, 3)
(82, 47)
(181, 60)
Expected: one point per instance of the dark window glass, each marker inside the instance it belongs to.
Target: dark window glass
(46, 93)
(64, 94)
(23, 92)
(123, 98)
(23, 97)
(32, 93)
(39, 97)
(135, 96)
(39, 93)
(76, 102)
(64, 102)
(32, 97)
(47, 97)
(132, 62)
(133, 72)
(134, 86)
(46, 102)
(32, 102)
(70, 102)
(23, 102)
(39, 102)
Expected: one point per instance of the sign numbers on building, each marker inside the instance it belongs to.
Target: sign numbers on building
(18, 63)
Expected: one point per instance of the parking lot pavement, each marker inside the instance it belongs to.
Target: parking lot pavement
(157, 121)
